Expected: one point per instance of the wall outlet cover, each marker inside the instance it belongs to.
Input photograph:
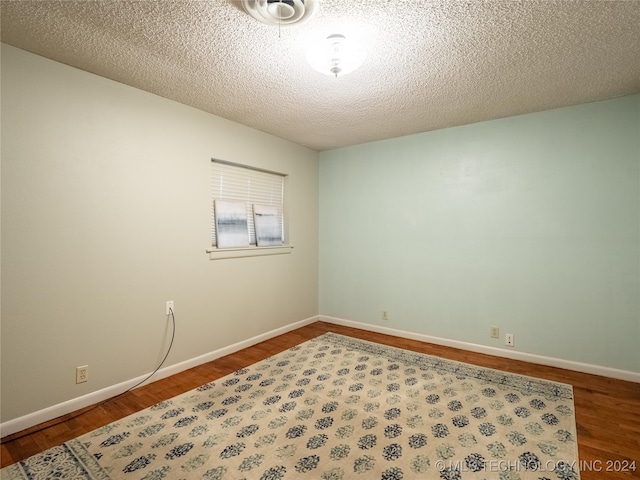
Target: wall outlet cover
(82, 374)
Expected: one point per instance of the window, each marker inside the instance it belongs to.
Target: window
(239, 183)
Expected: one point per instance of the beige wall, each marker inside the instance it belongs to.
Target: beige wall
(106, 215)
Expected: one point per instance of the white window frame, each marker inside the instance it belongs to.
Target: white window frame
(250, 185)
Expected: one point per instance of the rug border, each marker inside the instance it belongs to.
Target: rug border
(497, 377)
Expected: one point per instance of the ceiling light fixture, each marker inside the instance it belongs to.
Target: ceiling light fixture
(336, 55)
(280, 12)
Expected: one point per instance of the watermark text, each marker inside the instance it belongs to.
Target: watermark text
(546, 466)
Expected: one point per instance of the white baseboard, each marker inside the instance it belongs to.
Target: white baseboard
(21, 423)
(499, 352)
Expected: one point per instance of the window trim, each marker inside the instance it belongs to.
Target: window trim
(253, 251)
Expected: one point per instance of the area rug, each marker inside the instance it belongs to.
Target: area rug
(336, 408)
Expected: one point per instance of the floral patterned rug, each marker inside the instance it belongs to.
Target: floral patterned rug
(336, 408)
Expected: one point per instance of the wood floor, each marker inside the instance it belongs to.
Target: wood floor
(607, 410)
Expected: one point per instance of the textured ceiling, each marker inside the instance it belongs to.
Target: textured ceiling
(430, 64)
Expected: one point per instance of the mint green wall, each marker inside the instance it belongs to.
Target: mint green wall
(530, 223)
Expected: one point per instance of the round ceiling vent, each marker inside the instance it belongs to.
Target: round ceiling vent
(280, 12)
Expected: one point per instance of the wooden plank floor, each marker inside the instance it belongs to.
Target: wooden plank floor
(607, 410)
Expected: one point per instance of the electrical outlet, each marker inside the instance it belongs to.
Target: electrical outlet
(495, 332)
(385, 315)
(169, 308)
(508, 339)
(82, 374)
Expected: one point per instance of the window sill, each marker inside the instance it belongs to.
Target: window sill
(220, 253)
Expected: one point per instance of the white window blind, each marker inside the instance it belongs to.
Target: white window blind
(240, 183)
